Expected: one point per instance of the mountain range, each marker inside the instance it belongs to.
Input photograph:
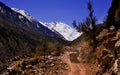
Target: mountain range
(21, 34)
(61, 30)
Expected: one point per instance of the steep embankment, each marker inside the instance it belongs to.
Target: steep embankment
(108, 52)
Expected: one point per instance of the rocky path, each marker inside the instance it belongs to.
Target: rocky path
(70, 57)
(69, 63)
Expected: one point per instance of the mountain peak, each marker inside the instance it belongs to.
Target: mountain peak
(24, 13)
(63, 30)
(68, 32)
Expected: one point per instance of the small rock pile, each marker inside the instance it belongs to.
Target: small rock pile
(36, 65)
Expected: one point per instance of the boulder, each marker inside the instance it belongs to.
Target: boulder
(118, 33)
(116, 67)
(102, 34)
(117, 44)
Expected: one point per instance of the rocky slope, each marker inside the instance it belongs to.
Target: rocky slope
(108, 53)
(35, 65)
(105, 60)
(19, 36)
(113, 17)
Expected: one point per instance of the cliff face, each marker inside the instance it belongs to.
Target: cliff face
(114, 12)
(116, 6)
(108, 52)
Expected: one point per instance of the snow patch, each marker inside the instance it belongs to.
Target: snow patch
(24, 13)
(61, 29)
(65, 30)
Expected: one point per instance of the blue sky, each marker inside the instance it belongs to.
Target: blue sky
(61, 10)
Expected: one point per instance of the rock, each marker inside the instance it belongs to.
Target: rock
(52, 64)
(116, 66)
(117, 14)
(12, 67)
(112, 28)
(102, 34)
(49, 56)
(29, 66)
(52, 58)
(117, 44)
(6, 73)
(64, 66)
(106, 61)
(105, 52)
(118, 62)
(118, 33)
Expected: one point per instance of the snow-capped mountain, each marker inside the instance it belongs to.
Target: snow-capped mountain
(53, 29)
(37, 25)
(62, 30)
(58, 27)
(24, 13)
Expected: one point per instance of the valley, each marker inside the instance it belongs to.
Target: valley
(32, 47)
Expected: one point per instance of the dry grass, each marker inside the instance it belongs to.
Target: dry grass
(51, 69)
(91, 69)
(85, 45)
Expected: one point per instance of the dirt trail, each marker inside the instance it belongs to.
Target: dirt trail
(71, 59)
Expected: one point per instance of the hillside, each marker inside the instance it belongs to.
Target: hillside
(34, 52)
(19, 37)
(53, 29)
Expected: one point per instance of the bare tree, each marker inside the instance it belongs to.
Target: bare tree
(89, 25)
